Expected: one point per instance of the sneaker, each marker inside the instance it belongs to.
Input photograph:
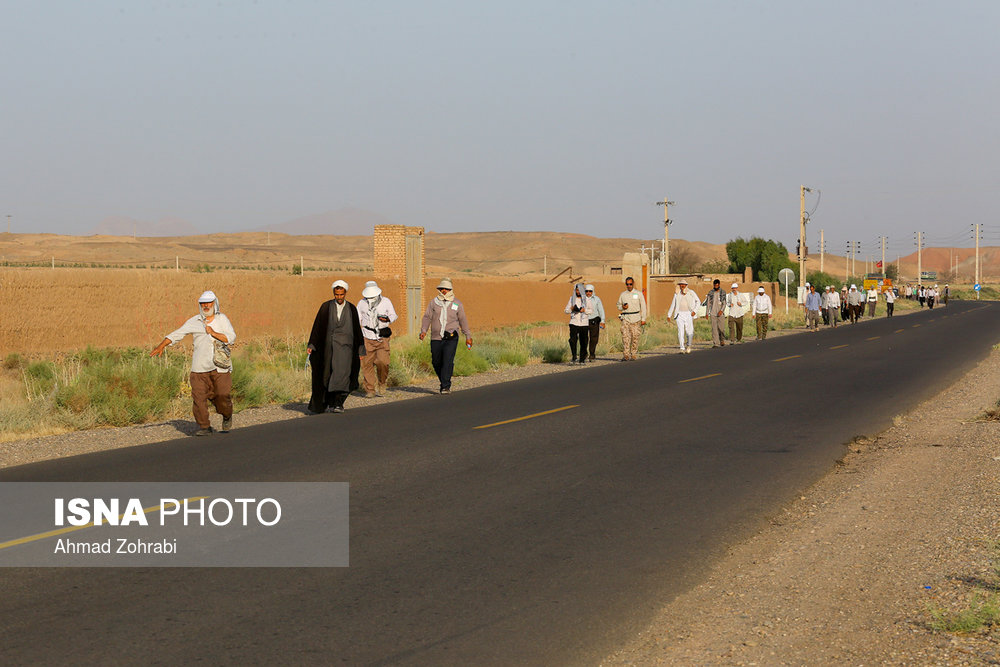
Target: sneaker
(370, 394)
(204, 431)
(338, 409)
(226, 425)
(687, 351)
(446, 391)
(682, 350)
(378, 392)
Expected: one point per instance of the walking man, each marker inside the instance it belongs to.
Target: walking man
(812, 305)
(376, 314)
(684, 311)
(890, 302)
(945, 294)
(211, 378)
(335, 348)
(872, 300)
(854, 303)
(632, 313)
(444, 317)
(931, 297)
(761, 311)
(596, 322)
(579, 309)
(715, 306)
(736, 307)
(832, 306)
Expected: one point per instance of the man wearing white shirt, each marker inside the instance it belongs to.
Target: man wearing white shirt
(376, 314)
(872, 297)
(890, 302)
(761, 311)
(832, 306)
(736, 305)
(684, 310)
(209, 380)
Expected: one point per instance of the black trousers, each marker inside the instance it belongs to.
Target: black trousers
(595, 336)
(888, 309)
(581, 332)
(443, 359)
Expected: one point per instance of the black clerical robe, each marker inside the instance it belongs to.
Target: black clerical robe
(337, 344)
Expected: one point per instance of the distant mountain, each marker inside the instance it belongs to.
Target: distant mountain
(342, 222)
(119, 225)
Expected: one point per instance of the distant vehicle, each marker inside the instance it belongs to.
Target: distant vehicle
(928, 275)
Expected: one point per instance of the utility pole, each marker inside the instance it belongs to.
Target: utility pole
(822, 250)
(847, 262)
(883, 239)
(666, 204)
(920, 247)
(802, 235)
(8, 223)
(977, 257)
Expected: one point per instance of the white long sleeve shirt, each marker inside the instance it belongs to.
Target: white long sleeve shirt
(370, 323)
(684, 305)
(202, 360)
(761, 305)
(737, 304)
(581, 318)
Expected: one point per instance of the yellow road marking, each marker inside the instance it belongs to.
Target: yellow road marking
(837, 347)
(520, 419)
(899, 331)
(916, 325)
(874, 338)
(700, 377)
(794, 356)
(70, 529)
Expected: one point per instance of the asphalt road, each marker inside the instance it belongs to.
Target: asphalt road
(548, 540)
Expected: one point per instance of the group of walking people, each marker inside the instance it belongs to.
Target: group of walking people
(926, 295)
(348, 349)
(587, 319)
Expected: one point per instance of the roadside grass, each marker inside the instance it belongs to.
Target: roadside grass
(123, 386)
(982, 610)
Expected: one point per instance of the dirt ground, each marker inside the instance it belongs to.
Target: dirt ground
(849, 575)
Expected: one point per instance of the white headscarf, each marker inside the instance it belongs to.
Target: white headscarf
(208, 296)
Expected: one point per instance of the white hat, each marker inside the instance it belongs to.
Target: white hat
(588, 288)
(760, 290)
(339, 283)
(853, 286)
(446, 283)
(807, 284)
(735, 284)
(371, 290)
(208, 296)
(682, 281)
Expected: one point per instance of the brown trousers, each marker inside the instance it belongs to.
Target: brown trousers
(375, 362)
(215, 387)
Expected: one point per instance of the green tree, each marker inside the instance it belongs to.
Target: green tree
(765, 258)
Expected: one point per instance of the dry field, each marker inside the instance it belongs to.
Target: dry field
(43, 311)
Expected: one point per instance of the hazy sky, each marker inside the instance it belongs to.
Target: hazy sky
(566, 116)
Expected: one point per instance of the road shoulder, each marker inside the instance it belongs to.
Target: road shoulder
(849, 572)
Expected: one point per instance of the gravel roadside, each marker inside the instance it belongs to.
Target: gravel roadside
(849, 573)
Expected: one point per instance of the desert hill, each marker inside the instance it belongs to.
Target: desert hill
(525, 254)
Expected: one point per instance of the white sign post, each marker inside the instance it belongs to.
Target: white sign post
(785, 276)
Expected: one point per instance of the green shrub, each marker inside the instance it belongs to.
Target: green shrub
(554, 355)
